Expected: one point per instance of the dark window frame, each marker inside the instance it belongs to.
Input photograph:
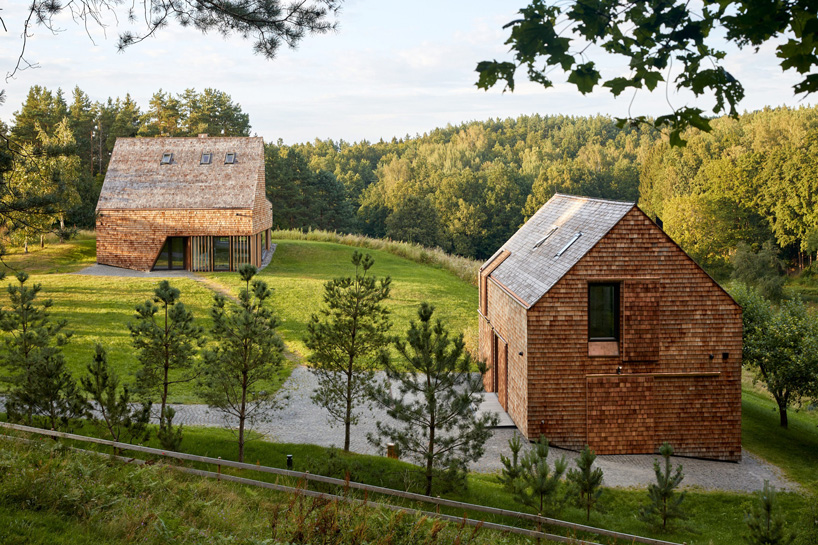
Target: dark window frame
(167, 158)
(229, 158)
(209, 156)
(169, 263)
(617, 312)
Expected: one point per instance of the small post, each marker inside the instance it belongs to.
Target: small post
(290, 462)
(391, 451)
(219, 471)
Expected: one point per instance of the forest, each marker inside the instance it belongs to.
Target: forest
(752, 181)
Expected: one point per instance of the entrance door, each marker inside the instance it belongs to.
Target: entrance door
(172, 255)
(500, 370)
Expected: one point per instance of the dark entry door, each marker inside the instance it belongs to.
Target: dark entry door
(172, 255)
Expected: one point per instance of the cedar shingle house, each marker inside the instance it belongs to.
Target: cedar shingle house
(598, 329)
(184, 203)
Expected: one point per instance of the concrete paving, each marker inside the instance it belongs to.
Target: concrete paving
(301, 421)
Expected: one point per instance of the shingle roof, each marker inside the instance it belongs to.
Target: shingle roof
(529, 272)
(136, 179)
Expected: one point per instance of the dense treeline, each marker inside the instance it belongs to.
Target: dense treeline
(62, 146)
(466, 188)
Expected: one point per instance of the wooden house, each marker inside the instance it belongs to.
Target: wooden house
(598, 329)
(184, 203)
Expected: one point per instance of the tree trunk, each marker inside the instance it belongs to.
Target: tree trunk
(42, 241)
(164, 398)
(782, 413)
(431, 455)
(348, 417)
(25, 245)
(242, 415)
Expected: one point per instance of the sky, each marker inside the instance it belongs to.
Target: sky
(392, 69)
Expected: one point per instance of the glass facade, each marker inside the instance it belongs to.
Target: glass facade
(172, 255)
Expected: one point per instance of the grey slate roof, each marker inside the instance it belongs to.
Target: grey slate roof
(136, 180)
(530, 272)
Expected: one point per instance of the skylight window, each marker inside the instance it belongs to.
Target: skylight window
(167, 158)
(206, 157)
(229, 158)
(547, 235)
(568, 245)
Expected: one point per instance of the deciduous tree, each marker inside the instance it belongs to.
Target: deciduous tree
(677, 43)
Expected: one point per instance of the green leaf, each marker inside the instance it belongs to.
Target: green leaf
(585, 77)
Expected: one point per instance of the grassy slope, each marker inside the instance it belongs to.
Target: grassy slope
(300, 268)
(98, 308)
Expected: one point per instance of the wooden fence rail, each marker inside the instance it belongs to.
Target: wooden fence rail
(306, 476)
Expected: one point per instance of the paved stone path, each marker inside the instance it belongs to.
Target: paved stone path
(301, 421)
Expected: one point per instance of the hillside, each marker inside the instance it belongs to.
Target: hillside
(98, 309)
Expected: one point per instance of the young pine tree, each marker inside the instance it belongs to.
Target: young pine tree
(166, 345)
(346, 338)
(511, 467)
(586, 480)
(113, 409)
(39, 383)
(764, 521)
(665, 501)
(248, 353)
(538, 486)
(436, 402)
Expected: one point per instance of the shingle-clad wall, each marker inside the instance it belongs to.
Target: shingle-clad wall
(508, 318)
(132, 239)
(663, 385)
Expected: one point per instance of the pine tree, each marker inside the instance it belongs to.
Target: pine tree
(511, 467)
(538, 486)
(665, 501)
(39, 383)
(436, 402)
(114, 408)
(248, 353)
(765, 523)
(169, 345)
(346, 339)
(586, 480)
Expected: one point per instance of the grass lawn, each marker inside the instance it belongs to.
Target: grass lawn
(70, 256)
(299, 270)
(98, 308)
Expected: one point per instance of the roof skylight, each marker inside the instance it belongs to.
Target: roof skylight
(167, 158)
(206, 157)
(229, 158)
(547, 235)
(568, 245)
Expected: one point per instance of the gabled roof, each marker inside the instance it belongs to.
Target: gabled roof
(136, 179)
(534, 265)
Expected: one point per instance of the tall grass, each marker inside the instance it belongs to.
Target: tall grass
(463, 267)
(50, 494)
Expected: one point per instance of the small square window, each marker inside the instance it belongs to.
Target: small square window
(229, 158)
(167, 158)
(206, 157)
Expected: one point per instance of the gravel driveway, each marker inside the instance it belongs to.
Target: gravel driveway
(301, 421)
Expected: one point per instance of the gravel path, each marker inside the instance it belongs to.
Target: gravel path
(301, 421)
